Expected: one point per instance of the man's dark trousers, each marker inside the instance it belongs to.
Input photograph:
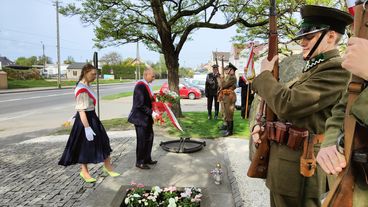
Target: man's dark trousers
(144, 143)
(210, 99)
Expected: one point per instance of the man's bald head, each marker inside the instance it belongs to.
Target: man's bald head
(149, 74)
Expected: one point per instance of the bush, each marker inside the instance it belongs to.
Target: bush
(31, 74)
(121, 71)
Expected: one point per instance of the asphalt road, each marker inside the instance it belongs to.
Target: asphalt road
(25, 101)
(39, 110)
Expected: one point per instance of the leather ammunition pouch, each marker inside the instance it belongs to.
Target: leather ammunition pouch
(286, 134)
(226, 92)
(360, 167)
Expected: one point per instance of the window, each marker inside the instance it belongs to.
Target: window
(75, 73)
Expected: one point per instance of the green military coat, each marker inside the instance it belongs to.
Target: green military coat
(306, 104)
(229, 100)
(334, 126)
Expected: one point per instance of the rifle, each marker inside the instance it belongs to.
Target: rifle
(259, 166)
(341, 193)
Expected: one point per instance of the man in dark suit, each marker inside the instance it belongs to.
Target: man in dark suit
(245, 88)
(142, 116)
(211, 89)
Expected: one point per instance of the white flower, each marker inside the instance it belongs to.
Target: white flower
(126, 201)
(172, 202)
(135, 195)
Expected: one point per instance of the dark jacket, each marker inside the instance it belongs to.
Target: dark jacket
(141, 113)
(211, 86)
(244, 88)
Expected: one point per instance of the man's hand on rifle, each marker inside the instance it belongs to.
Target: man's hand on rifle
(330, 160)
(268, 65)
(353, 61)
(255, 134)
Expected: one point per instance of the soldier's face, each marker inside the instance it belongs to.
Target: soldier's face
(307, 42)
(327, 43)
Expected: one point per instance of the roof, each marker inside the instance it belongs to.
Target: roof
(76, 66)
(5, 61)
(219, 56)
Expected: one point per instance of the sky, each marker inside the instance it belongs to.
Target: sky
(26, 25)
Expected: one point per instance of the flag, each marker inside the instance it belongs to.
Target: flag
(350, 4)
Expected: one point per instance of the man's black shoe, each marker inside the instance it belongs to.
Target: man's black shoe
(142, 166)
(152, 162)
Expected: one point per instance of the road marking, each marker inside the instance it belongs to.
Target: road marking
(34, 97)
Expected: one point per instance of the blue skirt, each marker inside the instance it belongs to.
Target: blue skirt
(79, 150)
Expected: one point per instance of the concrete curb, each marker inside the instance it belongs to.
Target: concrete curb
(22, 90)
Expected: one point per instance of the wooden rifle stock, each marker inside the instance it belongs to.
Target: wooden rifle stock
(341, 194)
(259, 166)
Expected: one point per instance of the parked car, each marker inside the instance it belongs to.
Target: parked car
(200, 88)
(185, 91)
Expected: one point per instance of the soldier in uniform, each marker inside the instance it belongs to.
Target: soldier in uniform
(211, 90)
(304, 106)
(228, 97)
(331, 157)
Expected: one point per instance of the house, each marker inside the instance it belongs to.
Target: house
(51, 70)
(4, 61)
(74, 70)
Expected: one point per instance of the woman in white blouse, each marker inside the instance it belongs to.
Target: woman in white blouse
(88, 141)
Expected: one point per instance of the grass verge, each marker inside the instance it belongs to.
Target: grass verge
(120, 124)
(13, 84)
(196, 125)
(124, 94)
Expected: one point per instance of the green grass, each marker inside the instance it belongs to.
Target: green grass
(120, 124)
(124, 94)
(13, 84)
(196, 125)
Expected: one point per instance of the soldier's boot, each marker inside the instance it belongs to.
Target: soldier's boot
(216, 115)
(223, 126)
(230, 129)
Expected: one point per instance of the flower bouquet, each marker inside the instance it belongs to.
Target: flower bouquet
(165, 97)
(138, 196)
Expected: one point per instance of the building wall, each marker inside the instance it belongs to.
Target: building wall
(73, 74)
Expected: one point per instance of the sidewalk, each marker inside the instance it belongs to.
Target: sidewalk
(32, 178)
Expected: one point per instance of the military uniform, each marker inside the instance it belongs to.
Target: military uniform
(211, 90)
(306, 104)
(228, 98)
(334, 126)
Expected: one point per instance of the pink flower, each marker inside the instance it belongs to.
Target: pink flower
(140, 185)
(133, 183)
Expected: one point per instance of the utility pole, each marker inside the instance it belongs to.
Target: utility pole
(139, 62)
(58, 43)
(43, 57)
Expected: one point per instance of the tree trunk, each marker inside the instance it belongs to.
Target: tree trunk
(172, 63)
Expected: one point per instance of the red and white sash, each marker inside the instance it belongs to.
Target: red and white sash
(150, 92)
(81, 88)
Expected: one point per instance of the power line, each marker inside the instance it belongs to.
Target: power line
(33, 43)
(36, 34)
(43, 2)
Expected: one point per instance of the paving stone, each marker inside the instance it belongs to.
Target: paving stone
(33, 178)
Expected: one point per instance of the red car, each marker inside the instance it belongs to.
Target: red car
(185, 91)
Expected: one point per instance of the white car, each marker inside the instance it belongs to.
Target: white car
(238, 98)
